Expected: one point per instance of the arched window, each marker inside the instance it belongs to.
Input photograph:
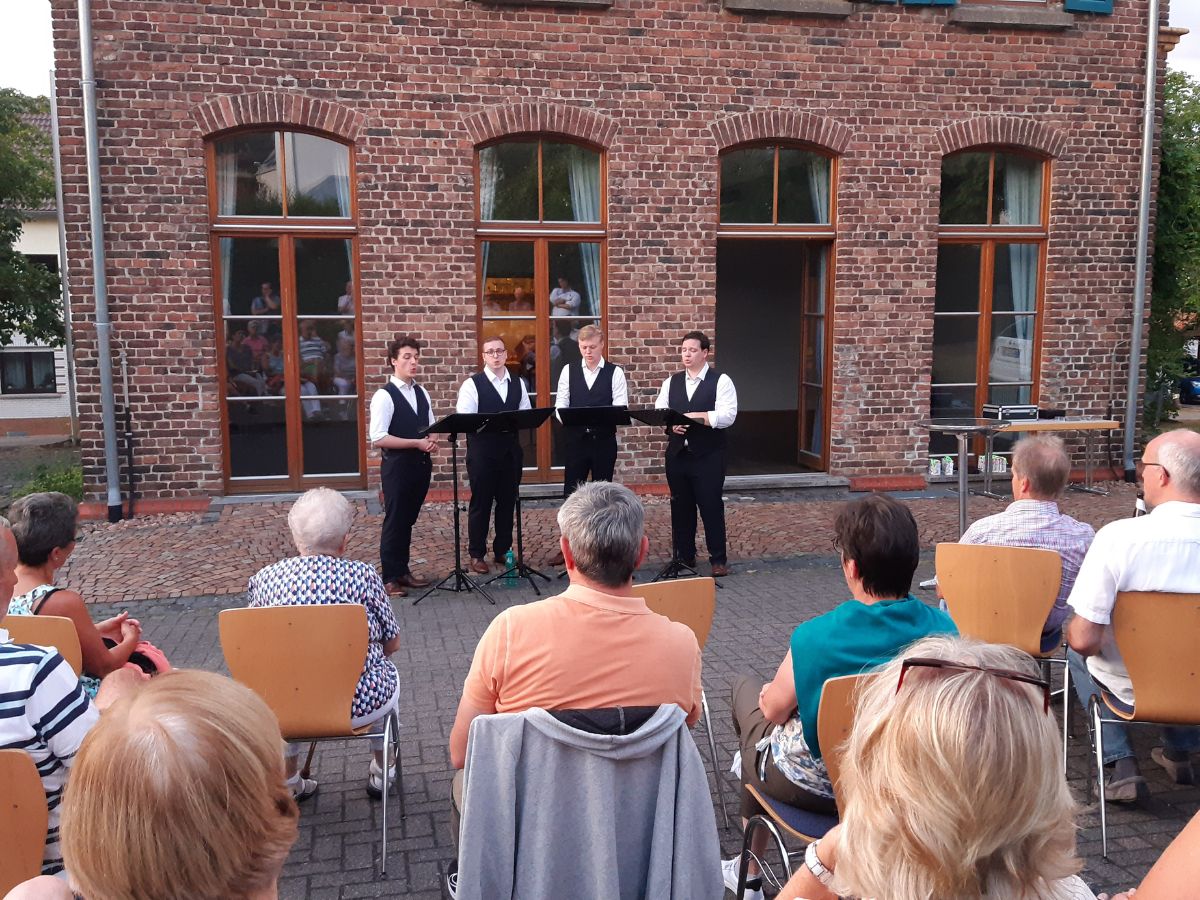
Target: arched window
(988, 299)
(774, 254)
(282, 216)
(540, 234)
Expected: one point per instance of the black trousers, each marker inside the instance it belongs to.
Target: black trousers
(594, 454)
(405, 478)
(495, 476)
(697, 481)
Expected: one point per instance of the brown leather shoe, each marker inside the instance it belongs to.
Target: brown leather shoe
(412, 581)
(396, 589)
(720, 570)
(557, 559)
(480, 566)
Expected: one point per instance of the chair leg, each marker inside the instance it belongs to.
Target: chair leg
(1098, 741)
(399, 767)
(712, 757)
(756, 822)
(387, 743)
(1066, 711)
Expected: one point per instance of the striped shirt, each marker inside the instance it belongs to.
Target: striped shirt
(1039, 524)
(44, 712)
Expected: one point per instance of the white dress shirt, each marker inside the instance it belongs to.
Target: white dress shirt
(571, 298)
(1157, 552)
(382, 407)
(723, 414)
(620, 389)
(468, 396)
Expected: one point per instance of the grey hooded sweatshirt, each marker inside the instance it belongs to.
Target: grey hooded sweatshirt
(551, 812)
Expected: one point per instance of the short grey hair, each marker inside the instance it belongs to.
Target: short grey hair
(42, 523)
(603, 524)
(1043, 460)
(1179, 454)
(320, 521)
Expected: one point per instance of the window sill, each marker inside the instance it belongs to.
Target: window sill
(36, 395)
(581, 4)
(821, 9)
(1036, 19)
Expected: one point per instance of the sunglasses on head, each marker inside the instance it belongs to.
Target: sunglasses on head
(926, 662)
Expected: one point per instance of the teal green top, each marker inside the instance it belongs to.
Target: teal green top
(851, 639)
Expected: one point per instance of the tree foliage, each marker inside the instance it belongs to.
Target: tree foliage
(1175, 306)
(28, 291)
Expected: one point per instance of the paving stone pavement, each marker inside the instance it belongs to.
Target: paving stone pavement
(756, 610)
(188, 554)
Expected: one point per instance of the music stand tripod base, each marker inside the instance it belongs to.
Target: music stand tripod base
(460, 581)
(676, 568)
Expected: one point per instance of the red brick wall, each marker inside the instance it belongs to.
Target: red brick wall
(664, 86)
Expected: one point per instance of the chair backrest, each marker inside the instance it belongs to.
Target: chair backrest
(304, 661)
(691, 601)
(835, 717)
(1002, 595)
(23, 819)
(47, 631)
(1157, 634)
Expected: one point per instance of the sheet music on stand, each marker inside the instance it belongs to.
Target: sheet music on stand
(594, 416)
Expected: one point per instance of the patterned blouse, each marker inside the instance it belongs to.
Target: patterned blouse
(312, 580)
(25, 605)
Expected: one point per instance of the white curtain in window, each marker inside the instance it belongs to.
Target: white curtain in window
(226, 180)
(1023, 201)
(226, 258)
(43, 372)
(489, 172)
(341, 179)
(584, 177)
(818, 185)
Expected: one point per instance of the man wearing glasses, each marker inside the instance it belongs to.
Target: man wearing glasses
(1157, 552)
(493, 460)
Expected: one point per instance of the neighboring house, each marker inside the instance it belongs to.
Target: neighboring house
(880, 212)
(34, 399)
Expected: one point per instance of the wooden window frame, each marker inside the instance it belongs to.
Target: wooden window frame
(285, 230)
(822, 233)
(987, 237)
(541, 234)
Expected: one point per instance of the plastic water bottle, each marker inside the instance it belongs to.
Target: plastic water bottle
(510, 563)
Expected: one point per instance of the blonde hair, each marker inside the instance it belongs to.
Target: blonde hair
(952, 787)
(178, 792)
(588, 332)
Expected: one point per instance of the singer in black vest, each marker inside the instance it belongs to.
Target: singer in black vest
(400, 411)
(696, 455)
(590, 450)
(493, 460)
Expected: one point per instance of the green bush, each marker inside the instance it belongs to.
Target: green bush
(65, 479)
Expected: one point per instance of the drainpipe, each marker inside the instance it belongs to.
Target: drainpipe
(62, 259)
(112, 471)
(1143, 241)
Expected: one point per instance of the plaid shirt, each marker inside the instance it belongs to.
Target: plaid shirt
(1038, 524)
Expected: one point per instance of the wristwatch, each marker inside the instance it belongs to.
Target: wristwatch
(814, 864)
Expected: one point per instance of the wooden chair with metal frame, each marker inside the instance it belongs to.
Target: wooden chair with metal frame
(305, 662)
(691, 602)
(47, 631)
(835, 717)
(1003, 595)
(24, 820)
(1157, 634)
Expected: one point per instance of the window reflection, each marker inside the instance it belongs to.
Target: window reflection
(314, 177)
(317, 172)
(249, 182)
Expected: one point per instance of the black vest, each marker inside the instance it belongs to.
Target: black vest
(406, 423)
(700, 441)
(490, 402)
(599, 394)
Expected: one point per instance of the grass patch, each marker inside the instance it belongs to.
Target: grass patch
(64, 479)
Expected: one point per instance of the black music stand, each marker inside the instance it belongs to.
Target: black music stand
(458, 579)
(512, 422)
(663, 418)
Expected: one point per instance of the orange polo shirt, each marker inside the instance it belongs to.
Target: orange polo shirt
(584, 650)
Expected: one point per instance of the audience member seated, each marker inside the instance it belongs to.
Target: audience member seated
(176, 794)
(320, 524)
(44, 526)
(777, 725)
(951, 786)
(44, 709)
(595, 645)
(1040, 471)
(241, 367)
(1156, 552)
(255, 341)
(345, 364)
(272, 366)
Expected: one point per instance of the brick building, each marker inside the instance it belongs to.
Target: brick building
(875, 210)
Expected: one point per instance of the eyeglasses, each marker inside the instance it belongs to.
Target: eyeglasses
(1010, 674)
(494, 352)
(1142, 465)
